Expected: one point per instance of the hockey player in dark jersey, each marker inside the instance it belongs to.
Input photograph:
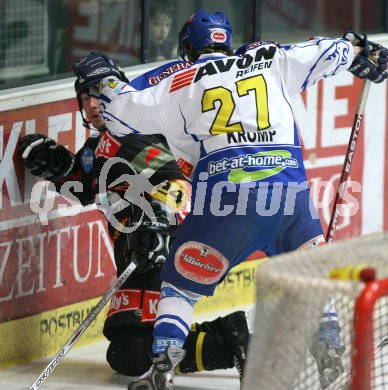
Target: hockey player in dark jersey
(218, 344)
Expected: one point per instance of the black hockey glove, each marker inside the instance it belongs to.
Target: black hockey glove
(149, 244)
(371, 62)
(92, 69)
(45, 158)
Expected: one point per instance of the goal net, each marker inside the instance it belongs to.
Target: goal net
(291, 292)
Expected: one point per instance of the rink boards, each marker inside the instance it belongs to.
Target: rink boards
(43, 334)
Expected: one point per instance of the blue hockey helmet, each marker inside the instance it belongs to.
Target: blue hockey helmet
(203, 29)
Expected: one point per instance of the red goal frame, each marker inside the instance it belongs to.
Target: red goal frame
(363, 326)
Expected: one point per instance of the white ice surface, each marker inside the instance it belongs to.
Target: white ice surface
(86, 368)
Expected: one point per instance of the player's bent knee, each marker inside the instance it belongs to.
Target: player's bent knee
(131, 357)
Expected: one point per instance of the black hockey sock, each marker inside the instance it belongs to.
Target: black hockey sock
(222, 326)
(205, 351)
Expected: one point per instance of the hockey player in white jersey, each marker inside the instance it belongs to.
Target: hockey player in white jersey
(229, 122)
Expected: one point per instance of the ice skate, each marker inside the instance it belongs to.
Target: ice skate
(327, 350)
(239, 352)
(237, 322)
(162, 372)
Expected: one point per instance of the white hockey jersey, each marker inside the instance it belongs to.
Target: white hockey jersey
(228, 118)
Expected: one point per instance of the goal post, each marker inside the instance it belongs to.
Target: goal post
(366, 361)
(291, 292)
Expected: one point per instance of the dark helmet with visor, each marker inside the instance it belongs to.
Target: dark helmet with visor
(81, 86)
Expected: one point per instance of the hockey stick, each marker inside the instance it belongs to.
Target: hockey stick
(354, 135)
(81, 329)
(383, 343)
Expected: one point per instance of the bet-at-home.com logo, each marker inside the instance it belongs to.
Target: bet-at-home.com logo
(268, 164)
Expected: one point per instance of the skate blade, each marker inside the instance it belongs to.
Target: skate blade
(143, 384)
